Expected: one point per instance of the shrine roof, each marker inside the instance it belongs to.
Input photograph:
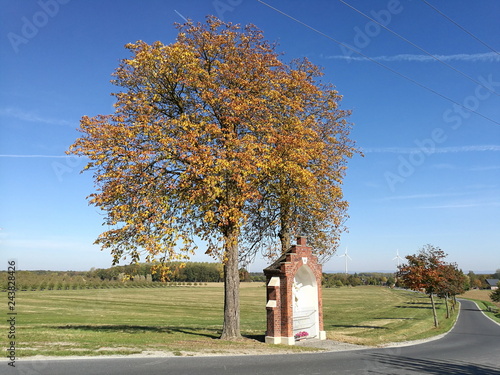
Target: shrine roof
(277, 264)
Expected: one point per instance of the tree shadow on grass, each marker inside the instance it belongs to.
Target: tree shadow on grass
(135, 329)
(418, 305)
(414, 307)
(355, 326)
(259, 338)
(430, 366)
(396, 318)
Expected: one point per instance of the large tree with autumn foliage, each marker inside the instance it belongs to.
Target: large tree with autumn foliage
(211, 134)
(302, 193)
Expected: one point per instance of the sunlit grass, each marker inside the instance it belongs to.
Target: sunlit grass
(374, 315)
(189, 320)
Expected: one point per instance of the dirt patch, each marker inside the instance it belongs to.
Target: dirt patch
(176, 353)
(330, 345)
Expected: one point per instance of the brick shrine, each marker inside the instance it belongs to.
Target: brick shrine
(294, 303)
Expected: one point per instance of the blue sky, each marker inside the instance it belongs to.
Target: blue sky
(431, 171)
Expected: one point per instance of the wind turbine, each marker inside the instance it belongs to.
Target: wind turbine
(397, 258)
(346, 257)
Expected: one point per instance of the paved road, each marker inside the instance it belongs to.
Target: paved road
(472, 347)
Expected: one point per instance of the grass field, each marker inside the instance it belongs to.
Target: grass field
(376, 315)
(184, 320)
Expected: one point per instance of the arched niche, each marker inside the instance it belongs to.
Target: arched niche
(305, 302)
(293, 290)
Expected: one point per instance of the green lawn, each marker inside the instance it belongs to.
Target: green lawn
(186, 320)
(376, 315)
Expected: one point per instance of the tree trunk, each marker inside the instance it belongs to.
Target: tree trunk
(231, 325)
(285, 234)
(436, 323)
(447, 307)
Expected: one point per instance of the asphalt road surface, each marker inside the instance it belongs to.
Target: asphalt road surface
(472, 347)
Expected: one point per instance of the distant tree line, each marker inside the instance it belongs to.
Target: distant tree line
(169, 272)
(142, 274)
(333, 280)
(132, 275)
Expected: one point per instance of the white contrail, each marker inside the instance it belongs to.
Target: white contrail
(180, 15)
(437, 150)
(36, 156)
(476, 57)
(31, 117)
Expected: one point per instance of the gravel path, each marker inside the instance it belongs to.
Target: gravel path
(330, 345)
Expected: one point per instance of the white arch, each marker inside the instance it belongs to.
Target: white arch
(305, 302)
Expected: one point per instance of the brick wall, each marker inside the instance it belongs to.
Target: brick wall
(280, 315)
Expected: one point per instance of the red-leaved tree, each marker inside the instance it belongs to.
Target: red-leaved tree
(424, 272)
(452, 283)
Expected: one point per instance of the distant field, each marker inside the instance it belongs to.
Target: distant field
(479, 294)
(185, 320)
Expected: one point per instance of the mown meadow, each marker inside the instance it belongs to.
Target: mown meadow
(187, 320)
